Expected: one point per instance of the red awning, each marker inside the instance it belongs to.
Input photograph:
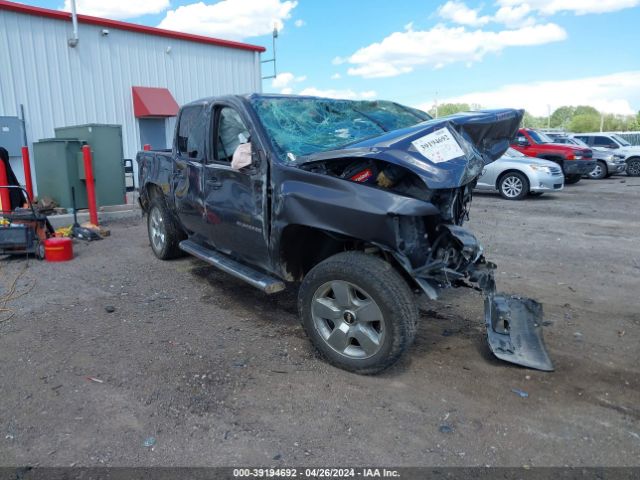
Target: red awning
(153, 102)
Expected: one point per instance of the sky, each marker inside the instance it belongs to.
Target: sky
(533, 54)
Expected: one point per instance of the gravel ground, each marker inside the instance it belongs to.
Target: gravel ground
(117, 347)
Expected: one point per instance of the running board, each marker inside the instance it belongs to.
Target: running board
(253, 277)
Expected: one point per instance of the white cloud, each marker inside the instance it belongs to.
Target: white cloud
(336, 76)
(341, 94)
(514, 16)
(615, 93)
(401, 52)
(459, 13)
(299, 23)
(117, 9)
(286, 79)
(579, 7)
(233, 19)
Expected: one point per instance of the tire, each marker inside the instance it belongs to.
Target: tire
(349, 285)
(571, 179)
(40, 254)
(513, 186)
(164, 232)
(633, 167)
(600, 171)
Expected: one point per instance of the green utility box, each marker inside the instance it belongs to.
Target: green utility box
(107, 155)
(57, 170)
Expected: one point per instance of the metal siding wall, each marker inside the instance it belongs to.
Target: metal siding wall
(61, 86)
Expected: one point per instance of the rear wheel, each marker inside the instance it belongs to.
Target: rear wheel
(164, 233)
(513, 186)
(358, 312)
(633, 167)
(571, 179)
(599, 171)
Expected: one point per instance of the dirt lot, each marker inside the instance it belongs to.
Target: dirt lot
(220, 374)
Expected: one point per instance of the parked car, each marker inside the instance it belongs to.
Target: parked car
(359, 204)
(575, 161)
(514, 176)
(607, 163)
(616, 143)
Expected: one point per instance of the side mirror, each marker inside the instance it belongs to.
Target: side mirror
(523, 142)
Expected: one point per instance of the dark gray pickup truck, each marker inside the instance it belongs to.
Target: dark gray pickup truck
(359, 204)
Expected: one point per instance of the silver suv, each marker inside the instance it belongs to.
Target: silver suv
(608, 163)
(615, 143)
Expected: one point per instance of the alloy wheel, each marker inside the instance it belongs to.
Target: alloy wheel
(512, 186)
(348, 319)
(157, 230)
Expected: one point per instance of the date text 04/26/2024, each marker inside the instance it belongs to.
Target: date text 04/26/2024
(315, 473)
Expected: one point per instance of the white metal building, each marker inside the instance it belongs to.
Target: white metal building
(55, 84)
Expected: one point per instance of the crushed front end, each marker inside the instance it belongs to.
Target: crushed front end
(438, 162)
(445, 255)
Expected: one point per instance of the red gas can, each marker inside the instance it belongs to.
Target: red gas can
(58, 249)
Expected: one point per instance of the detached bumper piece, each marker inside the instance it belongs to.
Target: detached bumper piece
(514, 331)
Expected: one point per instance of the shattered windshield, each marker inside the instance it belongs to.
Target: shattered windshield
(304, 125)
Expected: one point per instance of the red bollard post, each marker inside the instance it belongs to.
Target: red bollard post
(91, 187)
(26, 165)
(146, 147)
(5, 199)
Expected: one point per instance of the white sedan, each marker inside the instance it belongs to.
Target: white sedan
(515, 176)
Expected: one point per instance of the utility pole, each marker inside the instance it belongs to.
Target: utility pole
(435, 101)
(601, 122)
(272, 60)
(548, 116)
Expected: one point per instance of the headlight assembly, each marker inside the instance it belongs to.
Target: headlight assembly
(540, 168)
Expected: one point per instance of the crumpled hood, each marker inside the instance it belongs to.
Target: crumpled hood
(447, 152)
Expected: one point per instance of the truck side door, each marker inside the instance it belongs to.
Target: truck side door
(188, 167)
(234, 199)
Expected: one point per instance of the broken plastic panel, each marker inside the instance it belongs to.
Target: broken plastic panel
(514, 331)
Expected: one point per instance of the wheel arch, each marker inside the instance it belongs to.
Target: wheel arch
(302, 247)
(148, 192)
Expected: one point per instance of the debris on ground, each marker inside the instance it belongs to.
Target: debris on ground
(99, 229)
(94, 379)
(110, 309)
(10, 292)
(64, 231)
(445, 429)
(520, 393)
(149, 442)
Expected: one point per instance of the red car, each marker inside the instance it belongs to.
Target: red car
(575, 161)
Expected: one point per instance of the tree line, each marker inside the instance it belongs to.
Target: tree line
(583, 118)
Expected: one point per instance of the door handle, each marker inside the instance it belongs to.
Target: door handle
(214, 183)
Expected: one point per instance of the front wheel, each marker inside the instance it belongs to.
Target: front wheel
(633, 167)
(599, 171)
(358, 312)
(513, 186)
(571, 179)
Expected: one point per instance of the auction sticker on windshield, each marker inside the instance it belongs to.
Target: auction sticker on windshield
(439, 146)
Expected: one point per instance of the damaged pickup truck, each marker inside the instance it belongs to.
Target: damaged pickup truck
(360, 203)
